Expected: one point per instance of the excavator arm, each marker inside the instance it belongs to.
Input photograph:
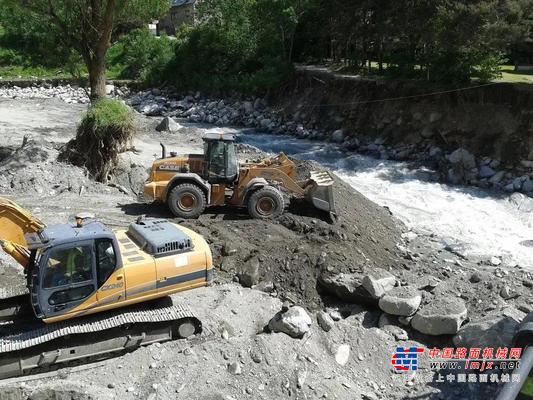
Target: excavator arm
(15, 222)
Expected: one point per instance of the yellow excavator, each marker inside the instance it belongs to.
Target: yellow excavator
(190, 183)
(93, 291)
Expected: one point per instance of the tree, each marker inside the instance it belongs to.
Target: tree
(87, 27)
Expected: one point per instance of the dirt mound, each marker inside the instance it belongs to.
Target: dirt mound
(33, 168)
(293, 250)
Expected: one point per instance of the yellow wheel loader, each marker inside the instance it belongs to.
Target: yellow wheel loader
(86, 284)
(190, 183)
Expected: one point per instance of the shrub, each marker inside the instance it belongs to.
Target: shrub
(105, 131)
(141, 55)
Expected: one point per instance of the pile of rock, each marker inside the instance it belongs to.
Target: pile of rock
(459, 166)
(436, 316)
(68, 93)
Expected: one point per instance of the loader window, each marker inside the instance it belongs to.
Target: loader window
(222, 162)
(68, 266)
(217, 160)
(107, 260)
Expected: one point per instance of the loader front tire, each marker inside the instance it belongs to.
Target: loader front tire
(187, 201)
(266, 203)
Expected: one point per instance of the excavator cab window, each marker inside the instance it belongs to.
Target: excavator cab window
(68, 266)
(221, 160)
(67, 276)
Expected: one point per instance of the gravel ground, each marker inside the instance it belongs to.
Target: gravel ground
(294, 254)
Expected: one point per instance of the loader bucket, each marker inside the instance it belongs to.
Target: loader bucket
(319, 192)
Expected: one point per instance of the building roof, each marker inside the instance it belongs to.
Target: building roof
(179, 3)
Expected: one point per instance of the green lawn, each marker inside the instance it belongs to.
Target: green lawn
(509, 75)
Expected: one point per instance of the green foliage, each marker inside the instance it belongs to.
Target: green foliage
(230, 49)
(142, 56)
(26, 40)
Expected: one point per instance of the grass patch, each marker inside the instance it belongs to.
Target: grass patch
(509, 75)
(105, 131)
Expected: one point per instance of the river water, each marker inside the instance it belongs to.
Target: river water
(476, 222)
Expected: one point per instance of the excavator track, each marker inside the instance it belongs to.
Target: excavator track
(26, 349)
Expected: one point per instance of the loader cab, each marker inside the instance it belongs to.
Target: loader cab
(221, 165)
(68, 273)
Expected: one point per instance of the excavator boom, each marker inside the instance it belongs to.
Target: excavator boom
(15, 222)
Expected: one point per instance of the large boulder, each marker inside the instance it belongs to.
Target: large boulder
(337, 136)
(463, 167)
(378, 282)
(442, 316)
(347, 287)
(294, 322)
(167, 124)
(497, 329)
(325, 321)
(249, 274)
(402, 301)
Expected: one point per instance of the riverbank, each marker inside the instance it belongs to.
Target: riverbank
(301, 259)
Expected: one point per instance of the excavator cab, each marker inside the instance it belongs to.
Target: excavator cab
(221, 165)
(66, 274)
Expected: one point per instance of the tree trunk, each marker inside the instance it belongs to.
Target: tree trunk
(97, 79)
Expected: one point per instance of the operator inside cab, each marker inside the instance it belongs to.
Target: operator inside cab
(68, 266)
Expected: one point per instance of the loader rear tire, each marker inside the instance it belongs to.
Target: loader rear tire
(266, 203)
(187, 201)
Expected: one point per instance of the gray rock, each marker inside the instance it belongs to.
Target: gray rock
(109, 89)
(476, 277)
(249, 274)
(463, 166)
(497, 329)
(168, 125)
(401, 301)
(295, 322)
(506, 293)
(442, 316)
(338, 136)
(517, 183)
(527, 186)
(234, 368)
(347, 287)
(486, 172)
(509, 188)
(378, 282)
(151, 109)
(427, 132)
(342, 355)
(325, 321)
(497, 177)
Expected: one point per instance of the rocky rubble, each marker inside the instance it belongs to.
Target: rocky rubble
(372, 285)
(457, 166)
